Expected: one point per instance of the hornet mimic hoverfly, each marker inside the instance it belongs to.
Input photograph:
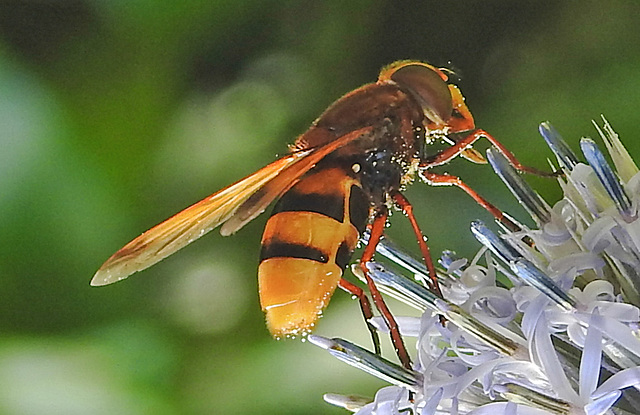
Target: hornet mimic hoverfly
(339, 177)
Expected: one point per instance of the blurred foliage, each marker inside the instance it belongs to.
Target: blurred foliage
(115, 115)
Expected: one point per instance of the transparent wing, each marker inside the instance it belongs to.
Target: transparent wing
(259, 201)
(238, 204)
(188, 225)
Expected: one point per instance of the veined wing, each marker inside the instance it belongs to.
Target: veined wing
(238, 204)
(188, 225)
(259, 201)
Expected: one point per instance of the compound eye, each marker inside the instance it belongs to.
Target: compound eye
(431, 91)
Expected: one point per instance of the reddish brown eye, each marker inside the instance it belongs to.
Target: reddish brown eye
(428, 88)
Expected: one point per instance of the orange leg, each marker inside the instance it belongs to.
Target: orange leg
(451, 152)
(365, 306)
(448, 180)
(377, 229)
(407, 208)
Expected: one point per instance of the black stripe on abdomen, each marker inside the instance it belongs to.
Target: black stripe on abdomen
(279, 249)
(343, 256)
(358, 208)
(331, 205)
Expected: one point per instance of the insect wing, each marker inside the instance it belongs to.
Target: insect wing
(259, 201)
(239, 203)
(188, 225)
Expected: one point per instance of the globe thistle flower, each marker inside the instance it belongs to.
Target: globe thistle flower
(541, 321)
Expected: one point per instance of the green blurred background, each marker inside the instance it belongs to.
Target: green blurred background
(116, 114)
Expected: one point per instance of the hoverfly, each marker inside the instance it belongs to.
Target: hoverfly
(339, 177)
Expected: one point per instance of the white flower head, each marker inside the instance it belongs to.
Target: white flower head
(541, 321)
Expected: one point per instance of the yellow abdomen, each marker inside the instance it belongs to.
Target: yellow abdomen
(307, 243)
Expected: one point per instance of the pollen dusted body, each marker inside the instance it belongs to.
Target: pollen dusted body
(341, 175)
(315, 226)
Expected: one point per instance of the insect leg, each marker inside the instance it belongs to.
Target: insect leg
(377, 228)
(365, 306)
(461, 145)
(407, 208)
(448, 180)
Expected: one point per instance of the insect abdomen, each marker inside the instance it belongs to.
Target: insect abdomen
(307, 243)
